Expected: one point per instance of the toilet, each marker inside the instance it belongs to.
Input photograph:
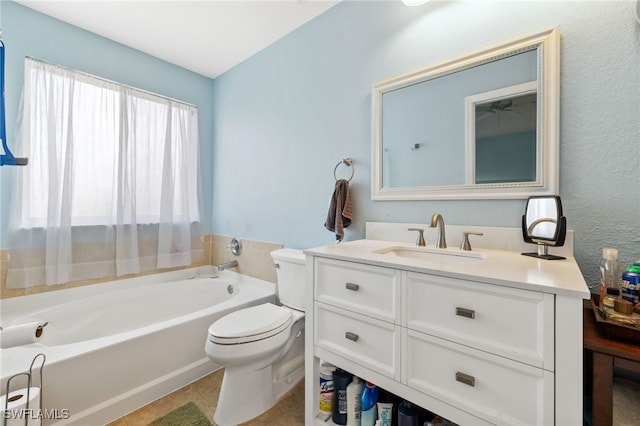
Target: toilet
(261, 347)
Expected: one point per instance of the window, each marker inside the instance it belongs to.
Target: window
(112, 169)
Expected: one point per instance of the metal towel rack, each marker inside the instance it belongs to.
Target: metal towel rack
(348, 162)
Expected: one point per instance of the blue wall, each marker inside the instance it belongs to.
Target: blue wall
(29, 33)
(287, 115)
(274, 127)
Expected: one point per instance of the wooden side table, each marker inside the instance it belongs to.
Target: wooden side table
(602, 355)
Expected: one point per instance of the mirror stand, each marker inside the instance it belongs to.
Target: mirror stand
(543, 253)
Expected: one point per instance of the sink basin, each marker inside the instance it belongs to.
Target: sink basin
(428, 253)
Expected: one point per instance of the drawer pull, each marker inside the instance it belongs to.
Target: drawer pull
(467, 313)
(352, 286)
(351, 336)
(466, 379)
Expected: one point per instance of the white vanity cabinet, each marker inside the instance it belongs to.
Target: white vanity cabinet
(472, 348)
(483, 348)
(512, 323)
(357, 313)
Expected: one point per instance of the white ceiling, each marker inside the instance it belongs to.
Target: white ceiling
(206, 36)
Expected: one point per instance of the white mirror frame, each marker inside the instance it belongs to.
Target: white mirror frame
(547, 43)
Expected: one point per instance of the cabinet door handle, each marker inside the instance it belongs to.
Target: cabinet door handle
(352, 286)
(466, 379)
(464, 312)
(351, 336)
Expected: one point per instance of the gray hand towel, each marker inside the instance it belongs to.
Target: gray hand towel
(340, 210)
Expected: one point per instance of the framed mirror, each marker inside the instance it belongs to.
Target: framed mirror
(482, 126)
(544, 224)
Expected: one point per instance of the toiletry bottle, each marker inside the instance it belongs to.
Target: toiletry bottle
(407, 414)
(634, 267)
(609, 272)
(630, 286)
(326, 388)
(369, 400)
(354, 402)
(610, 298)
(385, 408)
(341, 380)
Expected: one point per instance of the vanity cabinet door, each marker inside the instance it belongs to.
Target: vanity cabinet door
(372, 343)
(365, 289)
(514, 323)
(499, 390)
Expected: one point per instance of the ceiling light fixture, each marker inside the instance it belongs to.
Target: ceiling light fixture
(414, 2)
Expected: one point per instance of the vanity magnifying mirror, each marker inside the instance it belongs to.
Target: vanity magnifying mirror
(430, 139)
(544, 224)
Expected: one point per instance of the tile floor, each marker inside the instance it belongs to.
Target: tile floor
(204, 392)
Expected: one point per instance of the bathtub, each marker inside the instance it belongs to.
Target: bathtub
(113, 347)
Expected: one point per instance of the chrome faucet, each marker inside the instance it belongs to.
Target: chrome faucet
(438, 221)
(225, 265)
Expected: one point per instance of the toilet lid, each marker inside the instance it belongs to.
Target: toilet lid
(250, 324)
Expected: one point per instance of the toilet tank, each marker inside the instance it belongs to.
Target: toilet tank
(291, 281)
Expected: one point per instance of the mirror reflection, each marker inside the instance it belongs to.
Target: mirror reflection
(542, 218)
(502, 140)
(482, 126)
(432, 115)
(544, 224)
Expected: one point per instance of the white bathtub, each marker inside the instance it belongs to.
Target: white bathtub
(111, 348)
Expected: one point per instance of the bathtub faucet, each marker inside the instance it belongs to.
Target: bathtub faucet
(225, 265)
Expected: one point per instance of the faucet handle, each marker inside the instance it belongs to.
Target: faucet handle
(466, 246)
(420, 241)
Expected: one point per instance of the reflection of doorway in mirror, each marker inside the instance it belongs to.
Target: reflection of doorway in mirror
(501, 135)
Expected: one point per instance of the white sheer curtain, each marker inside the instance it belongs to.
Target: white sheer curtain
(112, 182)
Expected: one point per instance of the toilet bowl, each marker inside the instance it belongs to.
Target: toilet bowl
(261, 347)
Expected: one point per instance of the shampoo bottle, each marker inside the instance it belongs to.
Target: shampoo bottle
(407, 414)
(341, 380)
(369, 400)
(354, 402)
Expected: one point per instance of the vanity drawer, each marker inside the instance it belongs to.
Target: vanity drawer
(514, 323)
(499, 390)
(366, 289)
(373, 343)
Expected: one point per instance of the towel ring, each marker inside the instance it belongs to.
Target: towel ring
(348, 162)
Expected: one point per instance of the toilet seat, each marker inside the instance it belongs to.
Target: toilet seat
(250, 324)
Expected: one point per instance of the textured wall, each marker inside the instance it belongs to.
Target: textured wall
(286, 116)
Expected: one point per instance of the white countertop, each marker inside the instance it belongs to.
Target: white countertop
(500, 267)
